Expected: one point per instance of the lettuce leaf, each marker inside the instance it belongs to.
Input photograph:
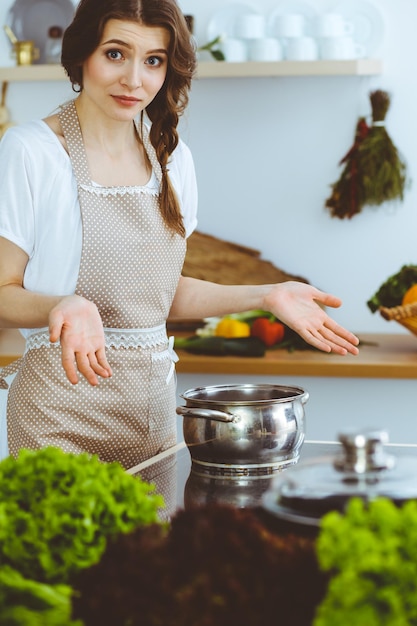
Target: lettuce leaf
(371, 553)
(57, 511)
(25, 602)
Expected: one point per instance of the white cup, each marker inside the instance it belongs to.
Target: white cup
(250, 26)
(290, 25)
(234, 50)
(341, 48)
(265, 49)
(332, 25)
(301, 49)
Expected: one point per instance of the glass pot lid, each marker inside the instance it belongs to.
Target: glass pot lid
(304, 493)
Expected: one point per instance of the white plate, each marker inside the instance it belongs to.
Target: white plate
(223, 21)
(289, 7)
(31, 19)
(367, 20)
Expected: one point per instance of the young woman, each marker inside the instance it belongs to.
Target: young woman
(95, 209)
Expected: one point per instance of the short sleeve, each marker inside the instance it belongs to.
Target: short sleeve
(16, 198)
(183, 177)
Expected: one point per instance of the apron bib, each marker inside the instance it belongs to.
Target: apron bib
(130, 267)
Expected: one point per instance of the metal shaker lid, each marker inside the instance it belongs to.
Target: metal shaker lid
(364, 469)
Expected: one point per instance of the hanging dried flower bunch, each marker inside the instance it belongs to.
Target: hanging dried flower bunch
(373, 171)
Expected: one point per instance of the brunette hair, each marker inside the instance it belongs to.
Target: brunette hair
(83, 36)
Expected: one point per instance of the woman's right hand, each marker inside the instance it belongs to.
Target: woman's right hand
(76, 322)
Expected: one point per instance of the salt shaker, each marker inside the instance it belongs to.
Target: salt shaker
(53, 45)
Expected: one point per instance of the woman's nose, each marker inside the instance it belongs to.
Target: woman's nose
(132, 78)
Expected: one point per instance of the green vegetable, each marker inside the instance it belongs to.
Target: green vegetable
(371, 552)
(57, 511)
(26, 602)
(391, 292)
(221, 346)
(205, 341)
(252, 315)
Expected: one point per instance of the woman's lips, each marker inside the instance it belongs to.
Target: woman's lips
(126, 100)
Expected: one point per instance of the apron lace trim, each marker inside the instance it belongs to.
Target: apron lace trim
(119, 191)
(114, 338)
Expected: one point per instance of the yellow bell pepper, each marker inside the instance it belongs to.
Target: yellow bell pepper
(228, 327)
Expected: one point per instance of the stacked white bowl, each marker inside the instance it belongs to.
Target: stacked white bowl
(292, 36)
(329, 36)
(251, 42)
(335, 36)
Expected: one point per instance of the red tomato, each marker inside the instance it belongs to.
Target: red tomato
(270, 332)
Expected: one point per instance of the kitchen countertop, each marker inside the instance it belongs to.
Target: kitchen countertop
(12, 345)
(381, 356)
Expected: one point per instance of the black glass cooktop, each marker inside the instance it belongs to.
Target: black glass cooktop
(183, 485)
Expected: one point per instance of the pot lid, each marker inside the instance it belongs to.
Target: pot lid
(304, 493)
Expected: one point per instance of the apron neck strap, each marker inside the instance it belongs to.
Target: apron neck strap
(68, 118)
(143, 132)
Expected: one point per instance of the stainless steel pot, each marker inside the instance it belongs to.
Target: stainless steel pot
(246, 429)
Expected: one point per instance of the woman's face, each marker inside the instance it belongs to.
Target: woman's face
(126, 71)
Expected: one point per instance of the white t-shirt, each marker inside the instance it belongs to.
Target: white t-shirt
(39, 208)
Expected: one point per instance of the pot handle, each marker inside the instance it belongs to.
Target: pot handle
(208, 414)
(304, 397)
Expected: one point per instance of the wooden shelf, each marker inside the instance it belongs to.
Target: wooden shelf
(359, 67)
(220, 69)
(32, 73)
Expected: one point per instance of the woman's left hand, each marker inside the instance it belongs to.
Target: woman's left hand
(298, 306)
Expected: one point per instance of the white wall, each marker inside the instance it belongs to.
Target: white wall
(266, 151)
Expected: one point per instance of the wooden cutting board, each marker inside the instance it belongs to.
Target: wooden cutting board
(227, 263)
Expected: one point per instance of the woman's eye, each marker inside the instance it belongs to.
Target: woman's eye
(154, 61)
(115, 55)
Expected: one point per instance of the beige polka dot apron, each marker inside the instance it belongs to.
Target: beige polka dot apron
(130, 267)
